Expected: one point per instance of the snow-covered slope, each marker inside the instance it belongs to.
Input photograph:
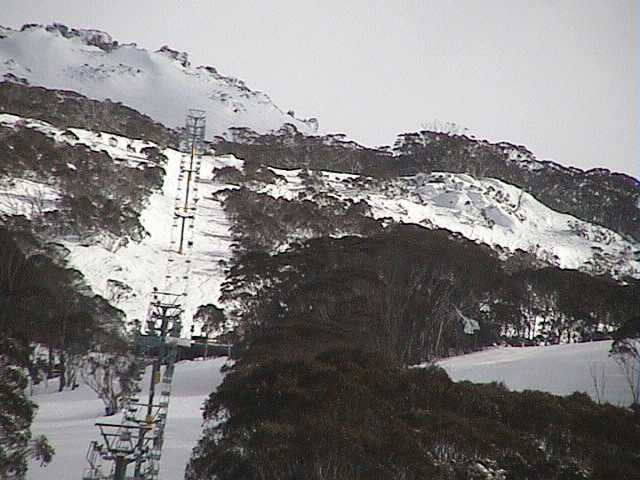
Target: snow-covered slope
(161, 84)
(117, 147)
(126, 274)
(486, 210)
(142, 266)
(558, 369)
(68, 418)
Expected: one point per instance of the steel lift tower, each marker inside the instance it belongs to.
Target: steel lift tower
(131, 449)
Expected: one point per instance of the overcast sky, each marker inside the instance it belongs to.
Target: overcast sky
(559, 76)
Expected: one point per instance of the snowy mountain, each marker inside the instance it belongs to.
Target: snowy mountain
(162, 84)
(439, 245)
(484, 210)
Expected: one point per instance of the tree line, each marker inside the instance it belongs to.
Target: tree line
(408, 291)
(65, 109)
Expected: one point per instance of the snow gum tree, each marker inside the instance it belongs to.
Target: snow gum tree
(110, 375)
(626, 352)
(211, 317)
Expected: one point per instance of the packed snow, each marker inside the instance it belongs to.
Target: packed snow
(67, 419)
(91, 63)
(558, 369)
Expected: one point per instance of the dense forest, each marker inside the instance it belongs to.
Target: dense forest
(321, 388)
(416, 294)
(513, 296)
(307, 402)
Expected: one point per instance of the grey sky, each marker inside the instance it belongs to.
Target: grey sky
(560, 77)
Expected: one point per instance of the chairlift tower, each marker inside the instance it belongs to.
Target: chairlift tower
(131, 449)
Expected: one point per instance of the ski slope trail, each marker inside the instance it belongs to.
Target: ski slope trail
(68, 418)
(140, 265)
(558, 369)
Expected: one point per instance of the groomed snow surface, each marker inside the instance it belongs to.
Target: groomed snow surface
(558, 369)
(68, 418)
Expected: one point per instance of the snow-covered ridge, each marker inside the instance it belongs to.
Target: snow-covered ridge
(485, 210)
(90, 36)
(518, 154)
(161, 84)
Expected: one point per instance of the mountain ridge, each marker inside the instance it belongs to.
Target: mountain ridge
(161, 84)
(598, 196)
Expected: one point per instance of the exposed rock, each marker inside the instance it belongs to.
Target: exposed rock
(181, 57)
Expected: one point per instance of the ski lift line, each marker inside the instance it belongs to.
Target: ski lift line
(139, 438)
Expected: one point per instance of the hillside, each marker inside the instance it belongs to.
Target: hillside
(120, 270)
(485, 210)
(597, 196)
(269, 209)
